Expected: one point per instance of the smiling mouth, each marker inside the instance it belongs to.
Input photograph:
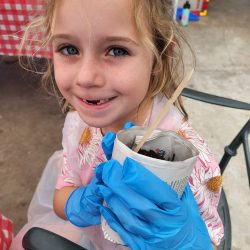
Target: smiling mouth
(97, 102)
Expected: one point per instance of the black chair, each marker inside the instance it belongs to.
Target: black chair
(40, 239)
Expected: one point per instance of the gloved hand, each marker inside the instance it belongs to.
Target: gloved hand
(109, 138)
(83, 205)
(145, 211)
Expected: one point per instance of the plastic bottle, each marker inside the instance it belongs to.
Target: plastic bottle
(185, 13)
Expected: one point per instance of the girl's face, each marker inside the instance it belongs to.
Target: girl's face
(101, 66)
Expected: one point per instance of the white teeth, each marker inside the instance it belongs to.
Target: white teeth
(103, 101)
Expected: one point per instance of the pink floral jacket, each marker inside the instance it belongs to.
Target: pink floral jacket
(83, 152)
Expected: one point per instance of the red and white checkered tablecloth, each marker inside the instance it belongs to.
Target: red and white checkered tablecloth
(6, 232)
(14, 16)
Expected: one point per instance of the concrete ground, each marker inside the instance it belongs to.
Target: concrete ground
(31, 122)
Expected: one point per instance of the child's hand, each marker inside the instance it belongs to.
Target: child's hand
(109, 138)
(83, 205)
(146, 212)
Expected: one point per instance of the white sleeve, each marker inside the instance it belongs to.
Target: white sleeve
(70, 171)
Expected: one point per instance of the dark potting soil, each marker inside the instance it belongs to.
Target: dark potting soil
(157, 155)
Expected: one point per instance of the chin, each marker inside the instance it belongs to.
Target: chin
(94, 122)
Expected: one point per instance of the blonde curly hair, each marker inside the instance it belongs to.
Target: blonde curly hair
(163, 36)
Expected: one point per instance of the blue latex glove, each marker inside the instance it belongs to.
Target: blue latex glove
(146, 212)
(109, 138)
(83, 205)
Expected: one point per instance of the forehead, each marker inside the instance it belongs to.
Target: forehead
(95, 17)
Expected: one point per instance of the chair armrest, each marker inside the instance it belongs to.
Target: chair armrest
(214, 99)
(41, 239)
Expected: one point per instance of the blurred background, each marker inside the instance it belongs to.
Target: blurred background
(31, 121)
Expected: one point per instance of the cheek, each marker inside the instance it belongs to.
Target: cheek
(135, 79)
(61, 77)
(142, 74)
(140, 81)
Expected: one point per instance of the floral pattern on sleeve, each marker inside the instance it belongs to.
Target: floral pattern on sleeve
(205, 182)
(69, 175)
(90, 153)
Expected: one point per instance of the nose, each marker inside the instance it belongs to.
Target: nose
(90, 73)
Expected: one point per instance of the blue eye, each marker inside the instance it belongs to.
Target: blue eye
(118, 52)
(69, 50)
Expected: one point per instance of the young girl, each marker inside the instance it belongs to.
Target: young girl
(113, 62)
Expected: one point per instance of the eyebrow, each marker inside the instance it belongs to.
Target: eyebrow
(121, 39)
(106, 39)
(62, 36)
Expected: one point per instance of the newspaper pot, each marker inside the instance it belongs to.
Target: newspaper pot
(178, 160)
